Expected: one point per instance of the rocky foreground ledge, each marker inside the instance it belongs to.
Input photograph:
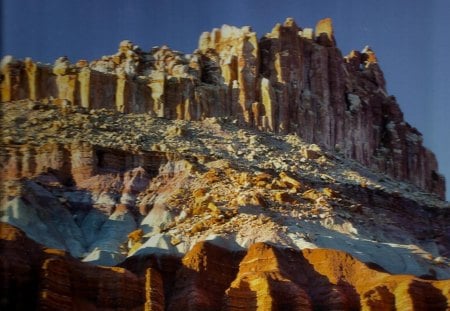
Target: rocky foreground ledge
(256, 175)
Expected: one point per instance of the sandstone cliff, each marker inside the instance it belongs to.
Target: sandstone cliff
(269, 174)
(292, 80)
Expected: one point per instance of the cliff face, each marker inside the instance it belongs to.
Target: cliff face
(207, 278)
(292, 80)
(163, 181)
(76, 162)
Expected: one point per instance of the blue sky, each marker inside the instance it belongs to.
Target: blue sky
(410, 38)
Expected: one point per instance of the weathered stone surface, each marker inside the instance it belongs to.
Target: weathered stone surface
(78, 162)
(238, 60)
(209, 277)
(204, 277)
(97, 164)
(34, 277)
(324, 32)
(152, 160)
(284, 83)
(261, 283)
(103, 208)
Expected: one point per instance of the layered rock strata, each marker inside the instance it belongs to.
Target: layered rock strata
(76, 162)
(191, 183)
(292, 80)
(207, 278)
(105, 186)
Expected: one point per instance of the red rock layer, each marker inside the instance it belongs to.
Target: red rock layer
(76, 162)
(207, 278)
(34, 278)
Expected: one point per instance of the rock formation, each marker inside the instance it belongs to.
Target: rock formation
(269, 174)
(292, 80)
(263, 278)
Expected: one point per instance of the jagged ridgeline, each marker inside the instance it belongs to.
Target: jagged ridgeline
(292, 80)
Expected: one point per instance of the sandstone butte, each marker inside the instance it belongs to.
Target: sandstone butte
(252, 174)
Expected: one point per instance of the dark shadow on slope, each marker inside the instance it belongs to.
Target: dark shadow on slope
(427, 297)
(323, 293)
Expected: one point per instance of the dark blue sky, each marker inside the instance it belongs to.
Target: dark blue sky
(410, 37)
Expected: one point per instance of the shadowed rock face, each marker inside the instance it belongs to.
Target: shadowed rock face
(292, 80)
(76, 162)
(208, 277)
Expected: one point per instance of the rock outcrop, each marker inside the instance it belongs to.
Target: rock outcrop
(34, 278)
(76, 162)
(292, 80)
(224, 179)
(208, 278)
